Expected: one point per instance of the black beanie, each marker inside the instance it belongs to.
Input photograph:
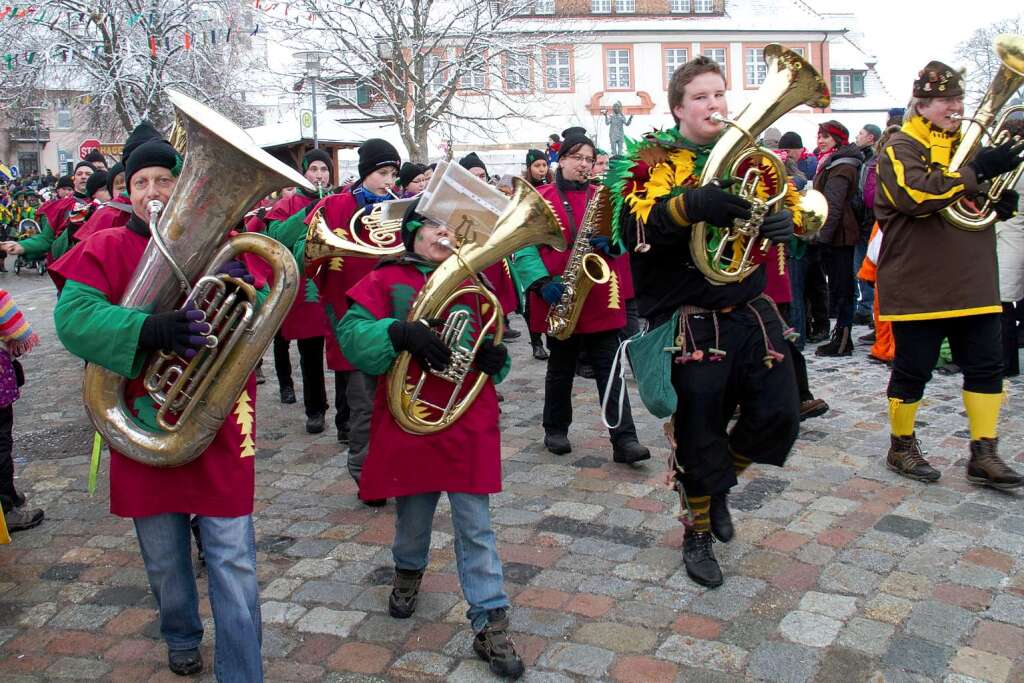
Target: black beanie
(97, 181)
(535, 155)
(376, 153)
(317, 155)
(471, 160)
(116, 169)
(410, 171)
(574, 132)
(65, 181)
(80, 164)
(144, 132)
(791, 140)
(571, 143)
(152, 153)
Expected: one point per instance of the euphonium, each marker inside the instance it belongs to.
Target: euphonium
(528, 220)
(970, 213)
(724, 253)
(195, 397)
(583, 270)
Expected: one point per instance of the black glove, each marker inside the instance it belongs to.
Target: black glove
(778, 227)
(236, 269)
(419, 340)
(1006, 207)
(490, 357)
(182, 332)
(713, 204)
(990, 162)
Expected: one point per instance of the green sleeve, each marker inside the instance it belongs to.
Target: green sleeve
(290, 230)
(61, 245)
(262, 293)
(528, 267)
(500, 376)
(365, 339)
(103, 333)
(39, 245)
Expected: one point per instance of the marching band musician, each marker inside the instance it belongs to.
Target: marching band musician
(115, 212)
(938, 281)
(53, 217)
(218, 486)
(306, 321)
(729, 334)
(463, 460)
(603, 314)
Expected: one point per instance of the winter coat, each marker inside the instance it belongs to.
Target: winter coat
(1010, 251)
(837, 180)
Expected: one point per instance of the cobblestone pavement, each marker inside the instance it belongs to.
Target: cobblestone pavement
(840, 570)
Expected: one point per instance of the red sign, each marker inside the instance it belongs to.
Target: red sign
(86, 147)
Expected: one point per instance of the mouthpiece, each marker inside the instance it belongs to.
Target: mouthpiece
(156, 206)
(446, 243)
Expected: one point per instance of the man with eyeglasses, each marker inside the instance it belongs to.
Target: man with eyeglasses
(603, 315)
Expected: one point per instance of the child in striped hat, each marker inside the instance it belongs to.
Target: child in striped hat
(16, 338)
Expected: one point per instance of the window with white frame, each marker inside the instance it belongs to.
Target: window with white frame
(625, 6)
(716, 54)
(601, 6)
(557, 69)
(473, 75)
(544, 7)
(433, 73)
(680, 7)
(618, 69)
(63, 107)
(516, 73)
(849, 83)
(675, 57)
(703, 6)
(755, 68)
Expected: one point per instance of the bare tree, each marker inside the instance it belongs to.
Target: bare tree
(119, 56)
(447, 66)
(977, 55)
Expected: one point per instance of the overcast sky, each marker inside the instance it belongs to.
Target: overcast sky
(906, 35)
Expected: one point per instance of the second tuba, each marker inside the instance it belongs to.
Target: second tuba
(527, 221)
(723, 254)
(194, 397)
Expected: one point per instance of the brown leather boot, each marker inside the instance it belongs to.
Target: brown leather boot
(905, 459)
(986, 468)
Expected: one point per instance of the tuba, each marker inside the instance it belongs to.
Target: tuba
(977, 213)
(195, 397)
(723, 254)
(527, 221)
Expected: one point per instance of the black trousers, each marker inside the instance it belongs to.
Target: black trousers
(803, 386)
(976, 343)
(1011, 353)
(600, 348)
(815, 292)
(709, 392)
(8, 494)
(311, 364)
(341, 382)
(838, 263)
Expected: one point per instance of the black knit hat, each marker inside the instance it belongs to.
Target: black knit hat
(410, 171)
(571, 143)
(574, 132)
(80, 164)
(791, 140)
(411, 222)
(376, 153)
(97, 181)
(471, 160)
(65, 181)
(938, 80)
(533, 155)
(317, 155)
(144, 132)
(114, 171)
(152, 153)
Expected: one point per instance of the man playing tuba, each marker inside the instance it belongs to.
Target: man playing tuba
(726, 336)
(463, 460)
(218, 486)
(938, 281)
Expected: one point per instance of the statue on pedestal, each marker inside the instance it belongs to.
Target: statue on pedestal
(617, 123)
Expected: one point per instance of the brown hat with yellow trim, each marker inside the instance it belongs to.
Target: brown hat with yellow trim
(938, 80)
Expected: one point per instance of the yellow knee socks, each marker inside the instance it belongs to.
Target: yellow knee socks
(901, 416)
(700, 512)
(982, 414)
(740, 463)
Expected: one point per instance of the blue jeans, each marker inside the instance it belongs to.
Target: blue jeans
(229, 544)
(476, 552)
(865, 292)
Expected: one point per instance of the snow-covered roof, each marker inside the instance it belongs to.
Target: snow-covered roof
(846, 53)
(346, 133)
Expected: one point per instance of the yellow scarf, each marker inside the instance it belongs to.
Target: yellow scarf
(940, 143)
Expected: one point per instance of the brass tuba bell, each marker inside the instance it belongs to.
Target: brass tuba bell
(195, 397)
(723, 254)
(528, 220)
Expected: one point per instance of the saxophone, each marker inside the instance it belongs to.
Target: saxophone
(584, 269)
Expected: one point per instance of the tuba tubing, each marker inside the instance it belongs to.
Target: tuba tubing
(203, 206)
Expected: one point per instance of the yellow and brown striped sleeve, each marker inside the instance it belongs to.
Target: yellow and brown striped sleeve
(909, 184)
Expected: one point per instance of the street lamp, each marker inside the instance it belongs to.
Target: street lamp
(310, 60)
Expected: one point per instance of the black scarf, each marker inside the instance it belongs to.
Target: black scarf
(138, 226)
